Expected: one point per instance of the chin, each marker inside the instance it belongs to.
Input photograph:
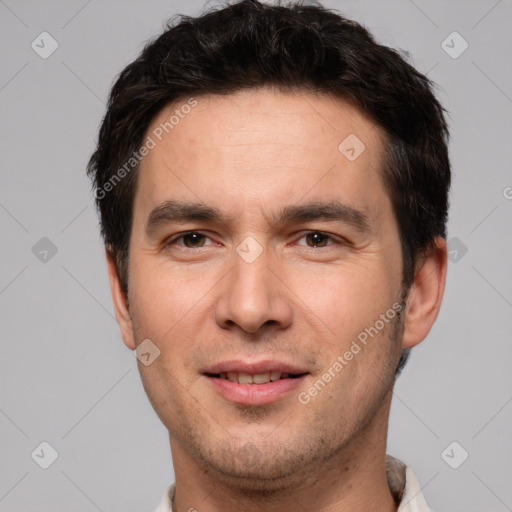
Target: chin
(260, 472)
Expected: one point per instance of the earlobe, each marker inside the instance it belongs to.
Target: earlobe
(426, 294)
(120, 302)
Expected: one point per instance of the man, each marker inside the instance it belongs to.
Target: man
(273, 190)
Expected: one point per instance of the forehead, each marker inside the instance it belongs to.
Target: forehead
(261, 148)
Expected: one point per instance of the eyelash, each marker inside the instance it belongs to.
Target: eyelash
(335, 240)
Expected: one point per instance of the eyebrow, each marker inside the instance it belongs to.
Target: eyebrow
(316, 210)
(178, 211)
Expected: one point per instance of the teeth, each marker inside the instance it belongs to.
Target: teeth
(232, 376)
(261, 378)
(246, 378)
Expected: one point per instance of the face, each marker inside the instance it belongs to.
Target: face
(263, 247)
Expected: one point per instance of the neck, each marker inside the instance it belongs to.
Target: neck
(353, 479)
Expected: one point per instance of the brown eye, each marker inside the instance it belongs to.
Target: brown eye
(190, 240)
(317, 239)
(193, 239)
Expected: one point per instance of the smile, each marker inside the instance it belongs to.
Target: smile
(260, 378)
(254, 384)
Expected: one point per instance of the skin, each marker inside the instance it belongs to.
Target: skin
(249, 154)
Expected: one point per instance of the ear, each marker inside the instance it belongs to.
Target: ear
(120, 301)
(425, 295)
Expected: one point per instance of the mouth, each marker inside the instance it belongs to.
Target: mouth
(260, 378)
(254, 384)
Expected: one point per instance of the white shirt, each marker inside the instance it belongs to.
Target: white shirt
(402, 482)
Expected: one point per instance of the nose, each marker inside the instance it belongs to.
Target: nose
(253, 298)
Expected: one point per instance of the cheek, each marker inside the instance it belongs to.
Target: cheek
(347, 298)
(152, 304)
(161, 298)
(167, 311)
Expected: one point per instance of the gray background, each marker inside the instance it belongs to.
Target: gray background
(65, 376)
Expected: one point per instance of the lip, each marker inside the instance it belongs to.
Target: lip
(255, 394)
(254, 368)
